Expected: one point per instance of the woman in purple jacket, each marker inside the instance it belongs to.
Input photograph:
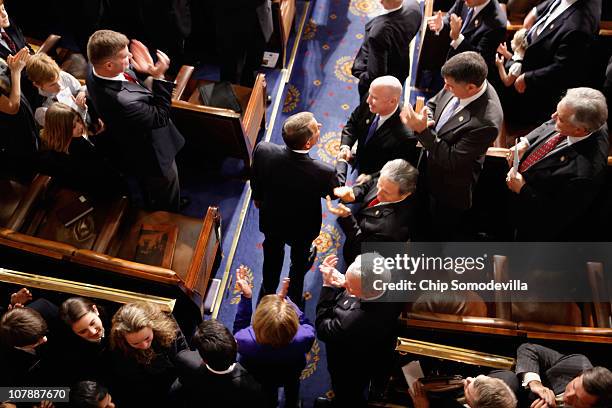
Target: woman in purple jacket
(273, 349)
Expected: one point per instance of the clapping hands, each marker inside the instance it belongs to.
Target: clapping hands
(329, 273)
(20, 298)
(143, 62)
(417, 121)
(17, 62)
(242, 282)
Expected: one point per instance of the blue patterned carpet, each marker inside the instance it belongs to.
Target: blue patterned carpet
(321, 83)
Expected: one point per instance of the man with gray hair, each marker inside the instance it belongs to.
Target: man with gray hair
(288, 186)
(375, 127)
(357, 326)
(388, 208)
(562, 169)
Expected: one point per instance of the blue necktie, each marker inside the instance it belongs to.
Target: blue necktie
(372, 129)
(468, 17)
(447, 113)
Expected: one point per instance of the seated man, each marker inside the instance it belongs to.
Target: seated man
(215, 375)
(555, 379)
(376, 127)
(561, 170)
(349, 320)
(388, 210)
(479, 392)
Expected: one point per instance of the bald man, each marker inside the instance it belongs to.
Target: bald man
(376, 128)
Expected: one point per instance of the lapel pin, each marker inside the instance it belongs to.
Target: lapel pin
(367, 121)
(377, 212)
(562, 158)
(551, 26)
(476, 23)
(460, 118)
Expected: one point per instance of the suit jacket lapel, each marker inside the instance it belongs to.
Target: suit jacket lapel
(554, 25)
(441, 104)
(472, 26)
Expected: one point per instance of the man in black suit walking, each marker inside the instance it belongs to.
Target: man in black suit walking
(145, 141)
(473, 25)
(562, 169)
(287, 188)
(558, 43)
(376, 127)
(388, 208)
(386, 45)
(456, 128)
(554, 379)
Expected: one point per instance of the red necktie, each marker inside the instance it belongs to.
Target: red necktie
(129, 77)
(9, 42)
(373, 202)
(541, 151)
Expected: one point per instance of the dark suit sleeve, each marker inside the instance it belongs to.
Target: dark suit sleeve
(341, 171)
(458, 155)
(571, 51)
(332, 182)
(151, 115)
(378, 46)
(533, 358)
(349, 132)
(255, 179)
(332, 327)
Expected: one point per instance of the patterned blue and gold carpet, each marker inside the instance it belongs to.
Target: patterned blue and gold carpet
(320, 82)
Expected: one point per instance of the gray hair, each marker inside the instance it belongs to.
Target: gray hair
(366, 268)
(402, 173)
(492, 393)
(393, 86)
(589, 107)
(296, 131)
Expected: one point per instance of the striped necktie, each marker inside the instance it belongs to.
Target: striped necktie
(9, 41)
(541, 151)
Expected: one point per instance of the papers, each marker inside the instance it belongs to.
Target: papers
(412, 372)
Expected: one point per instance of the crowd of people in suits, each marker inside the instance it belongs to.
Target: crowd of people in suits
(389, 190)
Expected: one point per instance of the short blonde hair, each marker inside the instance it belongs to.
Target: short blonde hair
(104, 45)
(519, 41)
(42, 69)
(59, 125)
(133, 317)
(276, 322)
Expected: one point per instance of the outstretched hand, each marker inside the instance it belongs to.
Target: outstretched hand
(341, 210)
(143, 62)
(243, 283)
(417, 121)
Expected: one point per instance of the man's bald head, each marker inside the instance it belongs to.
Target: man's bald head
(384, 95)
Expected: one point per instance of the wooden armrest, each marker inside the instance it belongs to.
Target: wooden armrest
(111, 225)
(497, 152)
(470, 320)
(205, 109)
(513, 27)
(35, 244)
(125, 267)
(181, 81)
(202, 252)
(49, 43)
(558, 328)
(37, 188)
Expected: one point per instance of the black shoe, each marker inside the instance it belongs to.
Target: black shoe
(311, 257)
(322, 402)
(184, 202)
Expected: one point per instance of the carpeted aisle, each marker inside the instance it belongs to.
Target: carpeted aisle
(321, 82)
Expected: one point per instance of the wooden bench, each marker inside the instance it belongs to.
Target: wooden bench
(283, 16)
(209, 130)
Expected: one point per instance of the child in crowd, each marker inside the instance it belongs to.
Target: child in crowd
(514, 62)
(273, 349)
(56, 86)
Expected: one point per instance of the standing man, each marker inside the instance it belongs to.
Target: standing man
(287, 188)
(243, 29)
(473, 25)
(145, 141)
(376, 128)
(562, 169)
(386, 45)
(456, 128)
(11, 37)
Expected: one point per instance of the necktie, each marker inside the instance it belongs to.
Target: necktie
(372, 129)
(129, 78)
(373, 202)
(532, 34)
(541, 152)
(468, 18)
(448, 112)
(9, 42)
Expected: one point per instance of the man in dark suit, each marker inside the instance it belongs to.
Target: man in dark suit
(388, 208)
(456, 128)
(562, 169)
(145, 141)
(386, 45)
(554, 379)
(212, 372)
(352, 317)
(558, 42)
(287, 188)
(243, 28)
(473, 25)
(376, 127)
(11, 37)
